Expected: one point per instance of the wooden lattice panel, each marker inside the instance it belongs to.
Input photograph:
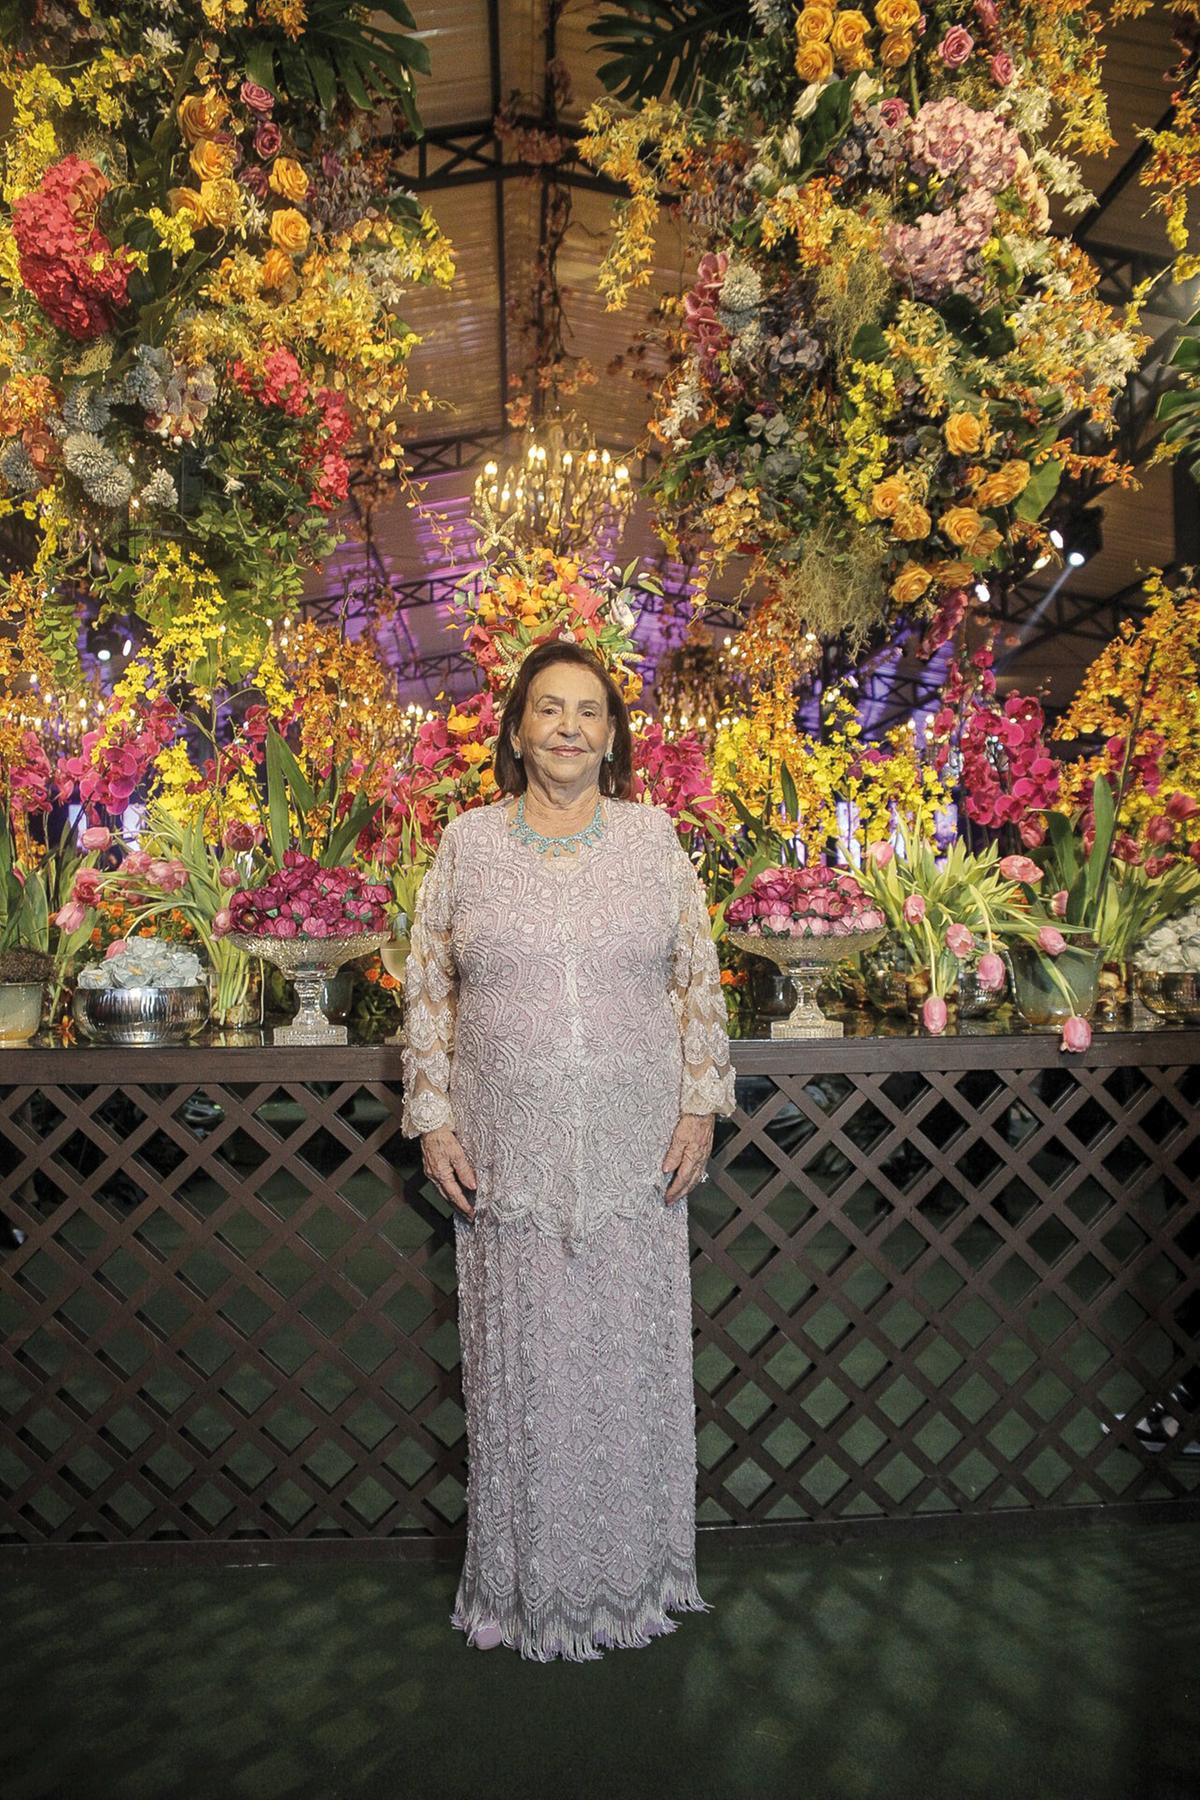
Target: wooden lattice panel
(922, 1279)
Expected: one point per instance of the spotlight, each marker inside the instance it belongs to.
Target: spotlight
(983, 592)
(103, 655)
(1085, 536)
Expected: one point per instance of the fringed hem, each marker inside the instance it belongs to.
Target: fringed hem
(564, 1632)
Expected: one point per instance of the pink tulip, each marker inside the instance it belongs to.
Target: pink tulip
(137, 862)
(96, 837)
(228, 877)
(880, 854)
(87, 886)
(1058, 905)
(991, 971)
(934, 1015)
(222, 922)
(71, 916)
(1181, 807)
(1076, 1033)
(959, 940)
(239, 836)
(117, 948)
(914, 909)
(1020, 868)
(1051, 941)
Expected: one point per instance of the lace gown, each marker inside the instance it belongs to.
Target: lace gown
(561, 1013)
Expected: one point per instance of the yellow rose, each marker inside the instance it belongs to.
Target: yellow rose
(961, 525)
(984, 542)
(887, 495)
(222, 202)
(814, 22)
(1003, 485)
(288, 179)
(201, 115)
(896, 49)
(289, 230)
(212, 161)
(897, 15)
(910, 584)
(849, 40)
(814, 61)
(964, 433)
(185, 199)
(277, 269)
(911, 521)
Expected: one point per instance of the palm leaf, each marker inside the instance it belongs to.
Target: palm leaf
(660, 47)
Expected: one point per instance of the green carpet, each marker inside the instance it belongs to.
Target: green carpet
(1062, 1666)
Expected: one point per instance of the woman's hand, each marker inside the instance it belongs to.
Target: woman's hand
(448, 1167)
(691, 1147)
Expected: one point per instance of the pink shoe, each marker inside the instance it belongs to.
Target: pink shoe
(486, 1637)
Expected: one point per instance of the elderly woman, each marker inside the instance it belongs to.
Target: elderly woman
(566, 1054)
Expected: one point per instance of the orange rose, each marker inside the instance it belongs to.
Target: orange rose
(849, 40)
(964, 433)
(212, 161)
(887, 495)
(1003, 485)
(277, 270)
(961, 525)
(984, 542)
(911, 521)
(814, 22)
(896, 49)
(222, 203)
(953, 574)
(289, 231)
(288, 179)
(185, 199)
(814, 61)
(910, 584)
(897, 15)
(202, 115)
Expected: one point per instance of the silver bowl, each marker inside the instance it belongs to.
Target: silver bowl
(307, 962)
(806, 960)
(140, 1015)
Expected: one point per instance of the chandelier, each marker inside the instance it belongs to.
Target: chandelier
(697, 686)
(560, 493)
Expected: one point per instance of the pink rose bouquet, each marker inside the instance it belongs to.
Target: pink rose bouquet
(815, 901)
(302, 899)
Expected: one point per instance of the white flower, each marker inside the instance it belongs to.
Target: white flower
(864, 89)
(807, 103)
(621, 613)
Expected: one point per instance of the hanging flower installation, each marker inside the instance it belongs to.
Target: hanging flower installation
(203, 264)
(883, 359)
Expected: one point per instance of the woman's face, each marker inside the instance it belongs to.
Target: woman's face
(565, 729)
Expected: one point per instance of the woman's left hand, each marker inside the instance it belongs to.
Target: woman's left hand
(691, 1146)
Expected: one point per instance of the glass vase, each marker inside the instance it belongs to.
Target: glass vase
(235, 986)
(1039, 982)
(895, 983)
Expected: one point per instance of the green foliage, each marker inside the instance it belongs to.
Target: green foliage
(669, 47)
(370, 59)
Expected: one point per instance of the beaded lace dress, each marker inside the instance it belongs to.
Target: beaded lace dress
(561, 1013)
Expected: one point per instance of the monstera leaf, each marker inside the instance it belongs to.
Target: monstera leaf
(660, 47)
(345, 53)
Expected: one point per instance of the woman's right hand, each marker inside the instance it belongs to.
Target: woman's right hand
(448, 1167)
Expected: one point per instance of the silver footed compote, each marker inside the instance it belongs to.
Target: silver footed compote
(805, 960)
(307, 961)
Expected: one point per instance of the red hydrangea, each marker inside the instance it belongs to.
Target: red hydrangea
(77, 278)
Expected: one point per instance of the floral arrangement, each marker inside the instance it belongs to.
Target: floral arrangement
(148, 962)
(302, 899)
(203, 263)
(534, 597)
(815, 902)
(876, 370)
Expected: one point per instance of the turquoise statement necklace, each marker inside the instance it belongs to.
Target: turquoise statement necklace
(524, 833)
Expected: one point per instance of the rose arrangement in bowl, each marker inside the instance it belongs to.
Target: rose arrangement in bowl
(308, 920)
(804, 920)
(144, 992)
(813, 902)
(304, 900)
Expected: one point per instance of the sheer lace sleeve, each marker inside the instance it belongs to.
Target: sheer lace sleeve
(430, 1002)
(699, 1001)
